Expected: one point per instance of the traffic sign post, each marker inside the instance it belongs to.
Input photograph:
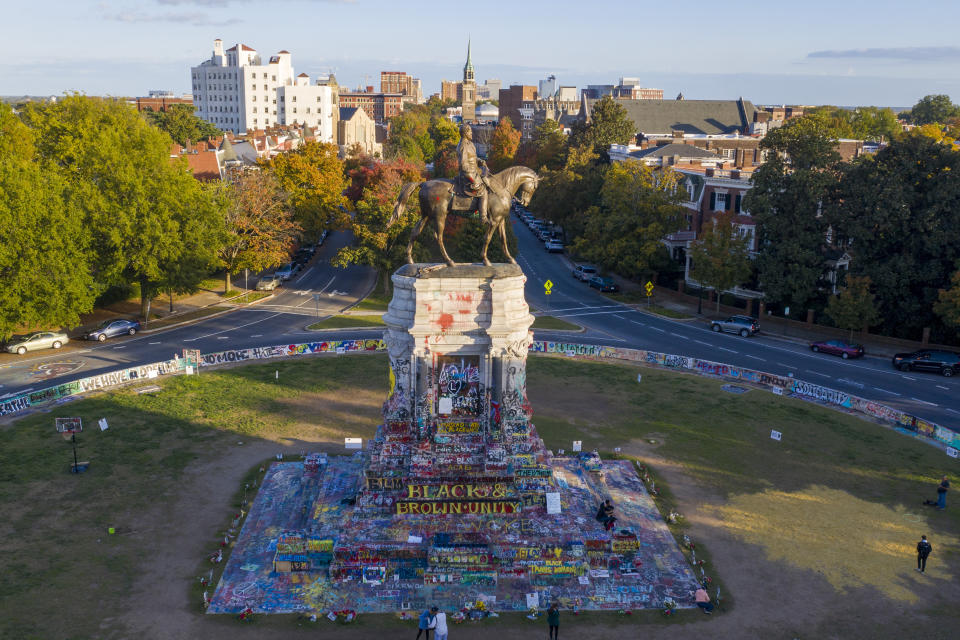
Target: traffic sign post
(547, 286)
(649, 288)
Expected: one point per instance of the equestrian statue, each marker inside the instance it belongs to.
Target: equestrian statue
(474, 190)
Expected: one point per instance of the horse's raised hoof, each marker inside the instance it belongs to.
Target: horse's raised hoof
(451, 263)
(512, 261)
(487, 263)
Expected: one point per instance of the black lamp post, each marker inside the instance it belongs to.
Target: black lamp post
(699, 299)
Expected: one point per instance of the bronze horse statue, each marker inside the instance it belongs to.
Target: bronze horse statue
(437, 200)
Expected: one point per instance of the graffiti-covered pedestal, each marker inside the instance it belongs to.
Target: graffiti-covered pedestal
(456, 499)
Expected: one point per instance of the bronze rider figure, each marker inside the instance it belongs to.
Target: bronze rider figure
(473, 171)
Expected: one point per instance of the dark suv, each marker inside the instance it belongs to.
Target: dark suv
(947, 363)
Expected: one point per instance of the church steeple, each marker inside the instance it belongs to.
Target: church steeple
(468, 68)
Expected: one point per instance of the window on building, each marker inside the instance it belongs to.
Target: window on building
(253, 76)
(264, 76)
(254, 98)
(294, 98)
(308, 110)
(720, 201)
(294, 109)
(318, 98)
(254, 109)
(274, 78)
(691, 191)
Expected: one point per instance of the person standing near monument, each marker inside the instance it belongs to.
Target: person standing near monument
(553, 620)
(440, 630)
(923, 550)
(471, 170)
(425, 622)
(942, 493)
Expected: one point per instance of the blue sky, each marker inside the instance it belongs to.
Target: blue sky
(839, 52)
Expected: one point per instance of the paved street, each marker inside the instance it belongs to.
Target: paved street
(282, 320)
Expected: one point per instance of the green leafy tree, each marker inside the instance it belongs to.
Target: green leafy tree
(899, 212)
(44, 262)
(410, 136)
(854, 307)
(786, 202)
(259, 223)
(444, 133)
(564, 195)
(313, 177)
(721, 255)
(181, 124)
(503, 147)
(948, 302)
(550, 145)
(374, 244)
(639, 206)
(609, 124)
(140, 210)
(934, 108)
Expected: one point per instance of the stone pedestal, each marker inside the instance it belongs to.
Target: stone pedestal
(457, 339)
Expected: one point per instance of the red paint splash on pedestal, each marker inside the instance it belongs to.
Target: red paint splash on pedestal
(445, 321)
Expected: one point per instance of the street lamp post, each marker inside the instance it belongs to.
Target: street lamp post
(699, 300)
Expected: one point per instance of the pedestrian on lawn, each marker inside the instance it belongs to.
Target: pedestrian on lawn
(942, 493)
(425, 622)
(703, 600)
(440, 630)
(923, 550)
(553, 619)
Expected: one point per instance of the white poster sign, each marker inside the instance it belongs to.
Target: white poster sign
(103, 424)
(578, 445)
(353, 443)
(446, 406)
(775, 435)
(533, 600)
(951, 452)
(553, 503)
(778, 391)
(189, 370)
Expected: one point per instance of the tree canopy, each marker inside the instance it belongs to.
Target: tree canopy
(639, 206)
(503, 148)
(181, 124)
(854, 306)
(142, 212)
(721, 254)
(609, 124)
(786, 200)
(313, 177)
(930, 109)
(550, 145)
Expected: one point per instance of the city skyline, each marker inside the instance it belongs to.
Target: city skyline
(774, 55)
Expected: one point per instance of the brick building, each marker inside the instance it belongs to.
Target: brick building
(517, 103)
(400, 82)
(379, 106)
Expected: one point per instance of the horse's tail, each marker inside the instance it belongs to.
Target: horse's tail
(402, 201)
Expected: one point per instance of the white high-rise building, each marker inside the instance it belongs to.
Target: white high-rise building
(235, 91)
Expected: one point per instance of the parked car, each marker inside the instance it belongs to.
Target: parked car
(744, 325)
(41, 340)
(285, 272)
(838, 348)
(113, 328)
(584, 272)
(947, 363)
(604, 284)
(544, 234)
(268, 283)
(554, 246)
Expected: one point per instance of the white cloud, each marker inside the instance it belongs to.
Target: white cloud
(912, 54)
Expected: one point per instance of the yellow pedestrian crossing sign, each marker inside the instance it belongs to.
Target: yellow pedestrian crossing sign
(649, 288)
(547, 286)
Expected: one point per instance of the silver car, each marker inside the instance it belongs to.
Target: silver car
(744, 325)
(41, 340)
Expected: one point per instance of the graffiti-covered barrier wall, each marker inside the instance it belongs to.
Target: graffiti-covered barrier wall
(51, 395)
(779, 385)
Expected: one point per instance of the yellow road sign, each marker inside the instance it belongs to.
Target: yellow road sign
(547, 286)
(648, 286)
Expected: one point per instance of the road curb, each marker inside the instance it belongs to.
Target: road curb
(212, 315)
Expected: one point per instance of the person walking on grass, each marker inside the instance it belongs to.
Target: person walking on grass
(923, 550)
(553, 619)
(427, 618)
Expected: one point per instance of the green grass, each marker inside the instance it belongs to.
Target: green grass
(347, 322)
(639, 297)
(184, 317)
(376, 301)
(54, 524)
(250, 296)
(556, 324)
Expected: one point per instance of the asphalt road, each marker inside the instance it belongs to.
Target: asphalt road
(607, 322)
(283, 318)
(278, 320)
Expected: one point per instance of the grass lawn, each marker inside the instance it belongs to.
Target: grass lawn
(250, 296)
(830, 499)
(557, 324)
(183, 317)
(376, 301)
(348, 322)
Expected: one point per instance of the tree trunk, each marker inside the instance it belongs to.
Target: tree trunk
(145, 299)
(385, 283)
(226, 281)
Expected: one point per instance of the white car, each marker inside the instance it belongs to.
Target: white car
(268, 283)
(41, 340)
